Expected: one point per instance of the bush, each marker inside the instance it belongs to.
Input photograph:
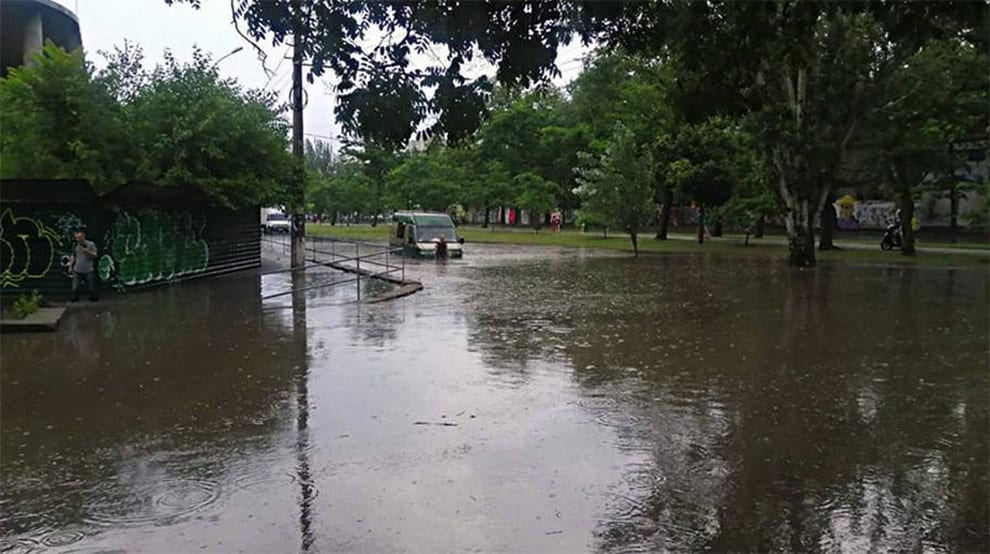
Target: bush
(25, 305)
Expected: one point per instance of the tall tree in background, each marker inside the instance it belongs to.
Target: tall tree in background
(617, 187)
(380, 100)
(935, 97)
(320, 157)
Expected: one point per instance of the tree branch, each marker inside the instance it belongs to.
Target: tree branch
(262, 56)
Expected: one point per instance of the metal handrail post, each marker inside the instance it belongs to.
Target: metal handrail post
(357, 258)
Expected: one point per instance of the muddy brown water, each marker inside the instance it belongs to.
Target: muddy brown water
(528, 400)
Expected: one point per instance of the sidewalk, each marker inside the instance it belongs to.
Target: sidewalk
(844, 244)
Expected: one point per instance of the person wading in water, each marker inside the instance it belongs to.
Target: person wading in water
(441, 253)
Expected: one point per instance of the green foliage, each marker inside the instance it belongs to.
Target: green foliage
(24, 305)
(60, 122)
(195, 128)
(979, 216)
(536, 196)
(319, 157)
(933, 98)
(178, 125)
(347, 191)
(617, 188)
(428, 181)
(369, 46)
(701, 161)
(743, 212)
(620, 88)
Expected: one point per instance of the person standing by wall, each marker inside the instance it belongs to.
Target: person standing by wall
(82, 265)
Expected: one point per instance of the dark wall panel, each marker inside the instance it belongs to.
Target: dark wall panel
(141, 242)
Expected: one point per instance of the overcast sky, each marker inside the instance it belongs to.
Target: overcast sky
(156, 27)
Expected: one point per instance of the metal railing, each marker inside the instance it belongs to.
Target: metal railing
(336, 254)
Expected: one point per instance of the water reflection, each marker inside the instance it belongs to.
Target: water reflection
(138, 413)
(526, 400)
(780, 410)
(306, 487)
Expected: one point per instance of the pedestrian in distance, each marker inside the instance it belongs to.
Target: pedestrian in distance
(82, 264)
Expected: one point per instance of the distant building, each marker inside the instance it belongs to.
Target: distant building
(25, 25)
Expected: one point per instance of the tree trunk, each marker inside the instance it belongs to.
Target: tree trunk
(701, 225)
(717, 227)
(801, 247)
(663, 222)
(907, 230)
(828, 220)
(953, 210)
(635, 241)
(488, 213)
(761, 223)
(898, 170)
(800, 232)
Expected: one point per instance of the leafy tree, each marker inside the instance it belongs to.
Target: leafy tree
(194, 128)
(178, 125)
(425, 180)
(536, 195)
(618, 186)
(320, 157)
(488, 185)
(805, 67)
(617, 87)
(346, 192)
(375, 162)
(936, 97)
(700, 162)
(61, 122)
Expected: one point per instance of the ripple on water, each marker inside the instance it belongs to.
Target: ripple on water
(63, 537)
(268, 481)
(18, 546)
(161, 503)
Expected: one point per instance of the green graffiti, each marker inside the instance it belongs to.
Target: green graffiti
(153, 245)
(27, 249)
(67, 224)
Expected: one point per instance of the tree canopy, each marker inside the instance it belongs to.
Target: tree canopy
(175, 125)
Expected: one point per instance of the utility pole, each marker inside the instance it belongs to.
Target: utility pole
(297, 188)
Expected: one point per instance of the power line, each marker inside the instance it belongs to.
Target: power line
(277, 66)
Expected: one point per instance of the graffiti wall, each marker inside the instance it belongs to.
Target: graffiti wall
(138, 245)
(153, 245)
(28, 249)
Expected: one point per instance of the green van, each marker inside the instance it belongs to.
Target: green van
(418, 233)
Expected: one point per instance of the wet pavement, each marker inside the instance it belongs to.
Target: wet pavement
(528, 400)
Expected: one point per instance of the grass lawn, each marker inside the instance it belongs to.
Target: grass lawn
(647, 243)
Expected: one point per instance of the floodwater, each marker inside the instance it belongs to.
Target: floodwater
(528, 400)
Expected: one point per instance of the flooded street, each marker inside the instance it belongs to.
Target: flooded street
(528, 400)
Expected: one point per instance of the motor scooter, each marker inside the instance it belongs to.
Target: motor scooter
(891, 237)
